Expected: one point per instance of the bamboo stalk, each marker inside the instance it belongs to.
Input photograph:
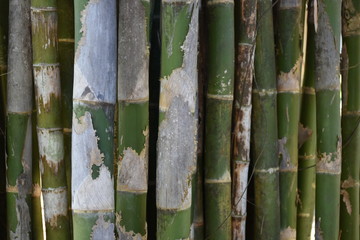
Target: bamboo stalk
(327, 87)
(176, 154)
(246, 30)
(18, 129)
(94, 99)
(37, 211)
(307, 141)
(264, 129)
(4, 24)
(49, 125)
(219, 100)
(66, 60)
(349, 206)
(133, 118)
(197, 228)
(289, 62)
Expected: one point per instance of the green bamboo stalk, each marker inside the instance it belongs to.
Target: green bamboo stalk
(4, 15)
(176, 153)
(49, 122)
(327, 87)
(246, 32)
(94, 100)
(289, 61)
(133, 118)
(307, 141)
(264, 129)
(18, 129)
(66, 60)
(37, 212)
(349, 206)
(219, 100)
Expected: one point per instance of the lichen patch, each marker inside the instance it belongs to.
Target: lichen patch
(346, 200)
(330, 163)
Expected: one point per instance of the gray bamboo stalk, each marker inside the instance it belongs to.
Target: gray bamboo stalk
(133, 118)
(19, 129)
(94, 100)
(176, 153)
(245, 51)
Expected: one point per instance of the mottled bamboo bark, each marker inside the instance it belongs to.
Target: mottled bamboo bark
(94, 99)
(307, 141)
(219, 101)
(264, 129)
(66, 60)
(133, 118)
(349, 204)
(289, 60)
(18, 129)
(49, 126)
(246, 30)
(327, 87)
(176, 149)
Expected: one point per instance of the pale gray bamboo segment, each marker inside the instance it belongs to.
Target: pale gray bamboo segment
(133, 72)
(19, 83)
(178, 131)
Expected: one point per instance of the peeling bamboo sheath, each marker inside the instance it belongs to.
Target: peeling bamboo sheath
(176, 146)
(307, 151)
(133, 119)
(50, 137)
(94, 98)
(288, 108)
(220, 23)
(349, 203)
(264, 129)
(327, 86)
(18, 129)
(245, 51)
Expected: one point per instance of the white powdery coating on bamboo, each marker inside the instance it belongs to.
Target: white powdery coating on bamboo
(288, 234)
(240, 189)
(290, 81)
(103, 229)
(55, 205)
(183, 81)
(329, 163)
(133, 168)
(47, 83)
(133, 73)
(51, 144)
(89, 193)
(95, 67)
(243, 135)
(177, 132)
